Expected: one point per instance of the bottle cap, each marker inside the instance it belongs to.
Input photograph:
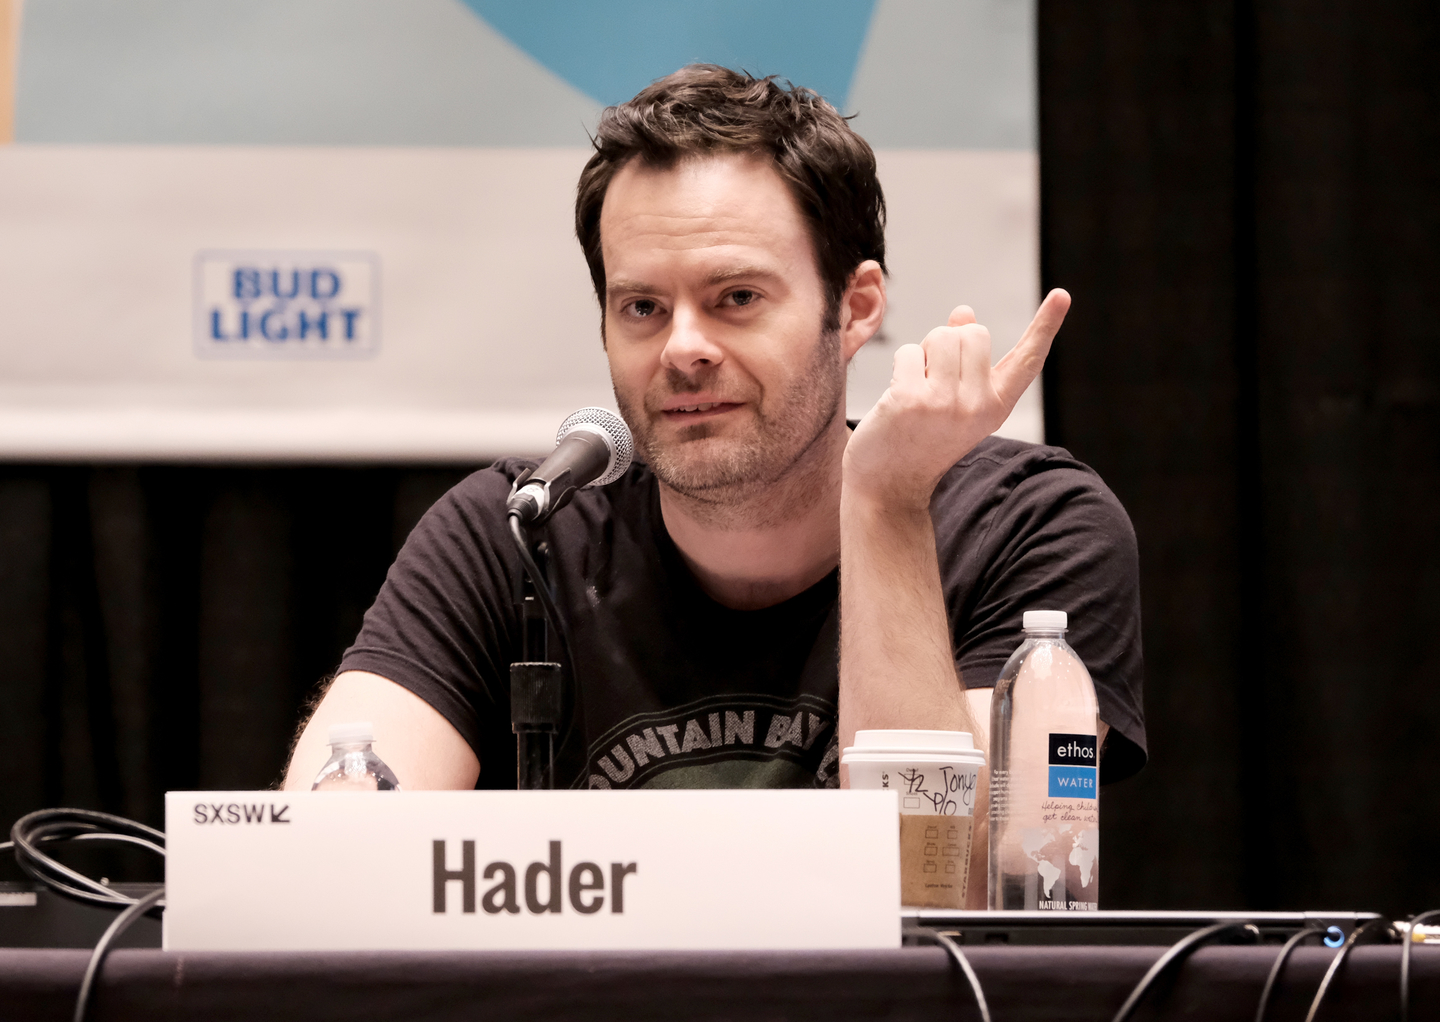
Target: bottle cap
(1045, 621)
(352, 734)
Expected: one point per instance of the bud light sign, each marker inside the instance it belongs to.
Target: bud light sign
(287, 304)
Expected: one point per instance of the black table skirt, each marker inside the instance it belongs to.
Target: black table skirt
(1035, 983)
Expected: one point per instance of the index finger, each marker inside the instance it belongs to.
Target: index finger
(1022, 363)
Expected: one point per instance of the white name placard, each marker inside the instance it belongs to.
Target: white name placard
(712, 870)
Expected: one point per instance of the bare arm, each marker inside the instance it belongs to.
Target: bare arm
(897, 669)
(421, 746)
(897, 666)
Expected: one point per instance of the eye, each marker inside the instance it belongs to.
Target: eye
(642, 307)
(741, 297)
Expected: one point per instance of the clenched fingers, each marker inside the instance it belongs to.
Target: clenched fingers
(962, 315)
(975, 363)
(908, 376)
(942, 358)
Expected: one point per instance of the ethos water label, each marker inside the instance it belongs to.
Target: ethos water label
(275, 304)
(1074, 770)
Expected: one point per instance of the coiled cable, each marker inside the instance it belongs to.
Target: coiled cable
(46, 828)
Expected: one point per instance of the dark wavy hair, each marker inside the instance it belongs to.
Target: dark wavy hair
(705, 110)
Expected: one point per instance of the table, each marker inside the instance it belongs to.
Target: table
(1216, 984)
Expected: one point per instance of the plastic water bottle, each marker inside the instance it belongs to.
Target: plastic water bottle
(1044, 785)
(353, 765)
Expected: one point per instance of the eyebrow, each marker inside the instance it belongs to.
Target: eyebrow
(633, 286)
(723, 276)
(739, 272)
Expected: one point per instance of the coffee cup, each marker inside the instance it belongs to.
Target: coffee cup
(936, 775)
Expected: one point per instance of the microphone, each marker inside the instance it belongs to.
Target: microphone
(592, 448)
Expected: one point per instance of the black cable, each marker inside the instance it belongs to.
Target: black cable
(1405, 961)
(120, 924)
(552, 616)
(47, 827)
(1182, 947)
(958, 957)
(542, 591)
(1335, 964)
(1270, 980)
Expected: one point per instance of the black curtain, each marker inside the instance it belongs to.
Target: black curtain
(162, 626)
(1243, 199)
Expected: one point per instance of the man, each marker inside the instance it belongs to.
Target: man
(734, 231)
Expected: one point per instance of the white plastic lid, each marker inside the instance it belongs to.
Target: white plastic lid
(901, 746)
(914, 741)
(1045, 621)
(356, 733)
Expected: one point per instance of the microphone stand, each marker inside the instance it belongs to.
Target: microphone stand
(536, 692)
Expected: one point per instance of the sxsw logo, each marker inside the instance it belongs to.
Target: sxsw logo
(1073, 766)
(286, 304)
(234, 813)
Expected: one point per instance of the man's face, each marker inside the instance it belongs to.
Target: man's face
(714, 312)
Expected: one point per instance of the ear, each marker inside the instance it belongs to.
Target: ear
(862, 307)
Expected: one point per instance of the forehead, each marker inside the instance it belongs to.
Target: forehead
(701, 212)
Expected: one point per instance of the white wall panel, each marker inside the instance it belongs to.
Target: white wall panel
(489, 331)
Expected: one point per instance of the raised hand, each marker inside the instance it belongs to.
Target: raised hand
(943, 399)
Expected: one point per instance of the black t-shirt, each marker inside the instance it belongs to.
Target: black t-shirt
(675, 690)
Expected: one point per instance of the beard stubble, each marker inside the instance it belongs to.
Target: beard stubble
(724, 473)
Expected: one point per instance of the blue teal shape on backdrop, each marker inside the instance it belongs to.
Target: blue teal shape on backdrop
(611, 49)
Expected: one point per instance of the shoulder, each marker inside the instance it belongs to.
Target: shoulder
(1002, 461)
(1024, 481)
(473, 506)
(1023, 526)
(481, 487)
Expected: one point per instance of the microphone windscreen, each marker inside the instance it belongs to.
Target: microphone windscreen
(617, 436)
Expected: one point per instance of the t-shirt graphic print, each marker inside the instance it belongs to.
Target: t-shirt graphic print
(748, 740)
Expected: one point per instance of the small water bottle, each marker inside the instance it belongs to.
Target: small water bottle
(353, 765)
(1044, 783)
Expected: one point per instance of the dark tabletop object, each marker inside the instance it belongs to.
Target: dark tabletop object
(1217, 984)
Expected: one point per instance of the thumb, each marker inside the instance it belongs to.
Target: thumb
(1022, 363)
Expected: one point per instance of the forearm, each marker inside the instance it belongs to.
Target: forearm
(897, 667)
(413, 739)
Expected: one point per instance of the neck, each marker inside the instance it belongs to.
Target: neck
(762, 547)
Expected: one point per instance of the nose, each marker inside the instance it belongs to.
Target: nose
(689, 348)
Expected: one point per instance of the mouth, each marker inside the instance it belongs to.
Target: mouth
(695, 411)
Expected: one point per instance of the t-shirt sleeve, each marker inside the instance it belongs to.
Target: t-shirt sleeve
(444, 625)
(1058, 539)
